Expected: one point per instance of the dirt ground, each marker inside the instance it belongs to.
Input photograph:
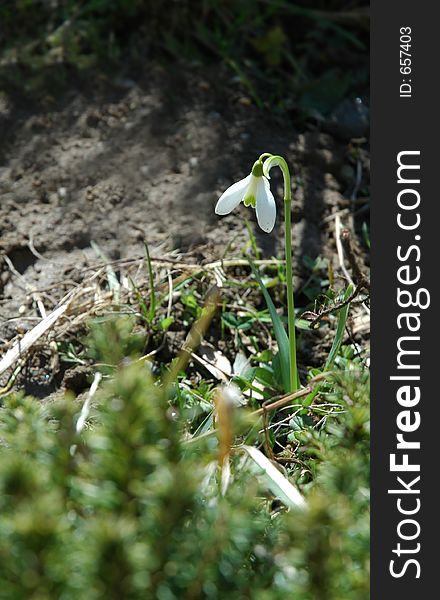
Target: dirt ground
(119, 161)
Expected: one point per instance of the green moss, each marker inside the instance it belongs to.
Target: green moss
(124, 511)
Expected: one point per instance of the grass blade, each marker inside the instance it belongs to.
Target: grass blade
(279, 485)
(342, 320)
(152, 309)
(280, 332)
(112, 279)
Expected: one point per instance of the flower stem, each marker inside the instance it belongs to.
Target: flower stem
(282, 164)
(289, 275)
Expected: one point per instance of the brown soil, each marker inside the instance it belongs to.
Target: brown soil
(120, 161)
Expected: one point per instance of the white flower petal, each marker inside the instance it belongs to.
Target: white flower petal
(266, 207)
(232, 196)
(250, 194)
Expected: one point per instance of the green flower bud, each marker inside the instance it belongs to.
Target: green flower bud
(257, 169)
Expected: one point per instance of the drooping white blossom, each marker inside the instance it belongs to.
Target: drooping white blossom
(253, 190)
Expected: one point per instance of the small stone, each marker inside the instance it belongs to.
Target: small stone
(245, 101)
(62, 193)
(193, 162)
(351, 119)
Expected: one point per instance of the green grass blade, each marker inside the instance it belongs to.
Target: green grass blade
(112, 279)
(336, 346)
(152, 308)
(278, 327)
(342, 320)
(142, 306)
(275, 481)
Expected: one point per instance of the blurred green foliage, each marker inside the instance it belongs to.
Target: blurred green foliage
(302, 54)
(126, 510)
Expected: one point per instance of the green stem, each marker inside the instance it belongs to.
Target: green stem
(264, 155)
(281, 163)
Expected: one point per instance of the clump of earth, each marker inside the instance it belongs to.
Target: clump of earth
(94, 172)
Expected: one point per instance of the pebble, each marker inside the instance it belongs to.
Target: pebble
(193, 162)
(62, 193)
(351, 119)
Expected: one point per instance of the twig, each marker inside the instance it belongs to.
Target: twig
(317, 318)
(343, 241)
(27, 287)
(361, 279)
(40, 256)
(86, 406)
(308, 389)
(340, 250)
(194, 337)
(23, 344)
(4, 390)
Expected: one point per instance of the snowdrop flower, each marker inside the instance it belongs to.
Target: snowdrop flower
(253, 190)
